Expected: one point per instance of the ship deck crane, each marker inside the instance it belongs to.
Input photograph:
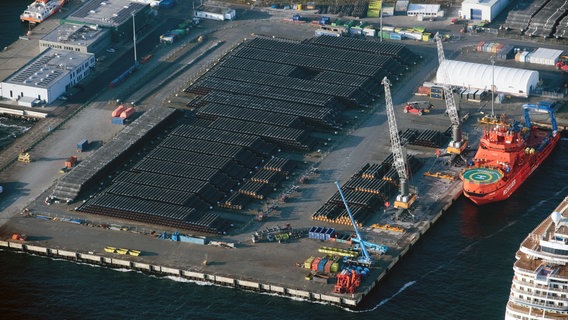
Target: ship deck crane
(542, 106)
(366, 258)
(405, 199)
(458, 143)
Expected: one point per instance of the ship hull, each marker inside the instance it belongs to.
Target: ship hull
(38, 11)
(504, 185)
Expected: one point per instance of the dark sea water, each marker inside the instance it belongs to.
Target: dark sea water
(461, 269)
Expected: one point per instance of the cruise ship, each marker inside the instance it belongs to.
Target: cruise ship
(40, 10)
(540, 284)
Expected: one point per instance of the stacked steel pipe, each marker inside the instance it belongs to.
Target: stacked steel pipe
(252, 143)
(156, 213)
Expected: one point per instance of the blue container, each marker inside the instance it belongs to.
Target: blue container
(436, 95)
(194, 240)
(321, 265)
(117, 120)
(395, 36)
(329, 233)
(435, 89)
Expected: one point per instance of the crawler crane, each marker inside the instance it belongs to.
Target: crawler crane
(458, 143)
(405, 199)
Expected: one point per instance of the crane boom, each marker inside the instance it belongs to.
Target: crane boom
(396, 146)
(543, 106)
(457, 144)
(366, 257)
(404, 200)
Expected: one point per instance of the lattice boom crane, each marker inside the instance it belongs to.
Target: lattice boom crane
(404, 200)
(458, 143)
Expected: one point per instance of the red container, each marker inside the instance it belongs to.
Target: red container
(424, 90)
(127, 113)
(118, 111)
(315, 263)
(327, 267)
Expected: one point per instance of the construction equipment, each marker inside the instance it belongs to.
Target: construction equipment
(405, 199)
(347, 281)
(440, 175)
(543, 106)
(418, 107)
(458, 143)
(366, 258)
(24, 157)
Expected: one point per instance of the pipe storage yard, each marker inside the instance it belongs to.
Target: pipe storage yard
(233, 182)
(252, 119)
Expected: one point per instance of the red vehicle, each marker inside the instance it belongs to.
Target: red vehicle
(562, 63)
(418, 107)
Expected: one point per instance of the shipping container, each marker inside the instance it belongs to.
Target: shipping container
(321, 265)
(422, 90)
(118, 110)
(82, 145)
(191, 239)
(118, 120)
(395, 36)
(334, 267)
(308, 262)
(315, 263)
(436, 96)
(127, 113)
(436, 89)
(327, 267)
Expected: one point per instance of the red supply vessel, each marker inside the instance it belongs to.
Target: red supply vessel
(507, 156)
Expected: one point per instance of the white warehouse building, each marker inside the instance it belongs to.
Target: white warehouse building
(215, 13)
(482, 9)
(510, 81)
(48, 75)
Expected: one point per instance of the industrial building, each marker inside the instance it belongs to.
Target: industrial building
(115, 15)
(484, 10)
(77, 37)
(510, 81)
(424, 10)
(47, 76)
(215, 13)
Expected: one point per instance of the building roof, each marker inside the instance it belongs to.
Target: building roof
(424, 8)
(513, 81)
(479, 3)
(48, 67)
(76, 34)
(213, 9)
(108, 13)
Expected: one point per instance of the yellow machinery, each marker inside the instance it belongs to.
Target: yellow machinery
(440, 175)
(24, 157)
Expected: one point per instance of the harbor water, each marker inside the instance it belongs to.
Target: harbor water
(461, 269)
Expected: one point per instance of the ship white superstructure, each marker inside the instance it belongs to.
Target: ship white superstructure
(540, 285)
